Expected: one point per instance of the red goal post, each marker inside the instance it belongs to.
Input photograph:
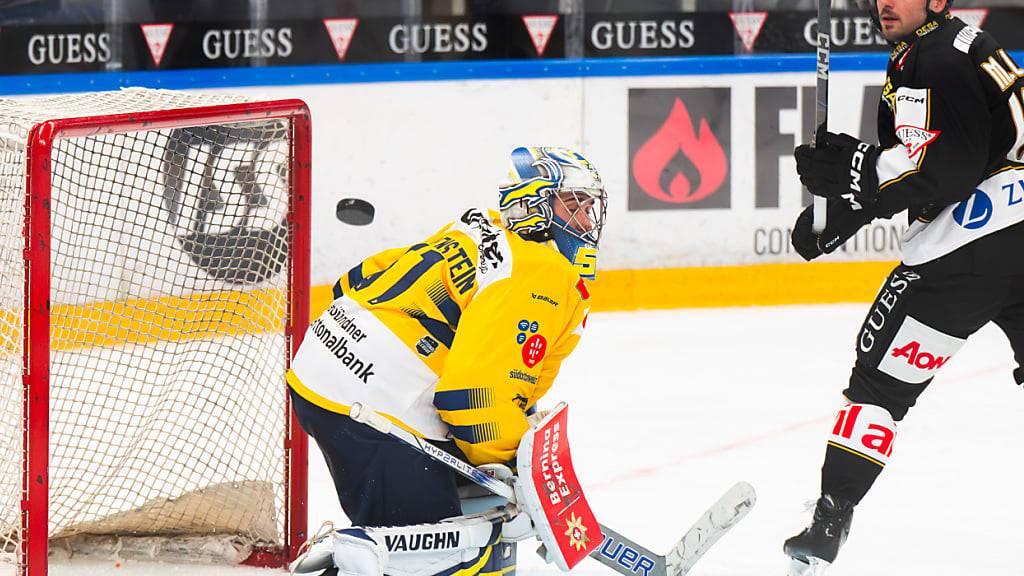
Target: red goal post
(165, 289)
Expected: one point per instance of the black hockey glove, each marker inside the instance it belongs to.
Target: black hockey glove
(842, 222)
(841, 166)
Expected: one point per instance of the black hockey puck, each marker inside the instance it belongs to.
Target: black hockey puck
(354, 211)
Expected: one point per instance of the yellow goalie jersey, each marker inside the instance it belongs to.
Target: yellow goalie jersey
(455, 337)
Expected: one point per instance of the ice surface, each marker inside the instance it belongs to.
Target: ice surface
(668, 409)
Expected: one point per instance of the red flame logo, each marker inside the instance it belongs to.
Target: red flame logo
(676, 135)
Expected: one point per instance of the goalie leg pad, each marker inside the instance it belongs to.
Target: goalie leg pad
(356, 553)
(464, 544)
(348, 552)
(316, 560)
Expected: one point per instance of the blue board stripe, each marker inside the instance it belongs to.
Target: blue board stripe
(439, 71)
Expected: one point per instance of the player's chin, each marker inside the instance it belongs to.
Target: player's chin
(891, 29)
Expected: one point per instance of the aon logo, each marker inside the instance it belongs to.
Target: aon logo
(918, 358)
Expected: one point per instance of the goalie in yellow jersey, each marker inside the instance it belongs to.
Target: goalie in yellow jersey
(455, 339)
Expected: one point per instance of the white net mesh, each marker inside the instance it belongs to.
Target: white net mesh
(169, 302)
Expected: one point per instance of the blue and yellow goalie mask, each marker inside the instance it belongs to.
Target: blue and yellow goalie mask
(556, 194)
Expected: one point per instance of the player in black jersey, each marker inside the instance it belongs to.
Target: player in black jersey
(951, 153)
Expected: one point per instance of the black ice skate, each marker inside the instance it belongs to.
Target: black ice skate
(817, 546)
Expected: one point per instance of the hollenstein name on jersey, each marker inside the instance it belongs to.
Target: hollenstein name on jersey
(338, 344)
(460, 267)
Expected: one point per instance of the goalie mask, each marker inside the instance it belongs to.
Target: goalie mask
(556, 194)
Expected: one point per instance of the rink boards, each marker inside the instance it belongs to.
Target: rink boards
(696, 155)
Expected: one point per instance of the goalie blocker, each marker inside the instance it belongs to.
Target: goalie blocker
(549, 492)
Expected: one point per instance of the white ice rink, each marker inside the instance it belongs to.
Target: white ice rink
(668, 409)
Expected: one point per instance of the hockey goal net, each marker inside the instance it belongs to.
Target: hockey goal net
(154, 251)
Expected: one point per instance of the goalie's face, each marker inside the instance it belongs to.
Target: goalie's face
(581, 213)
(577, 220)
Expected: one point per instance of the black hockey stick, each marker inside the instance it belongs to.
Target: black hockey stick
(617, 552)
(354, 211)
(821, 97)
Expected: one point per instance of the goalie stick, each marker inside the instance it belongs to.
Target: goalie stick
(616, 549)
(730, 508)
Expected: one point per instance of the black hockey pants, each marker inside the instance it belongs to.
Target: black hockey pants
(919, 321)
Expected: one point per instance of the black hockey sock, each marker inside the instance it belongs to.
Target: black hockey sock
(858, 448)
(847, 476)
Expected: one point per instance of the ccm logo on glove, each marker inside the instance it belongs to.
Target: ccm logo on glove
(857, 174)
